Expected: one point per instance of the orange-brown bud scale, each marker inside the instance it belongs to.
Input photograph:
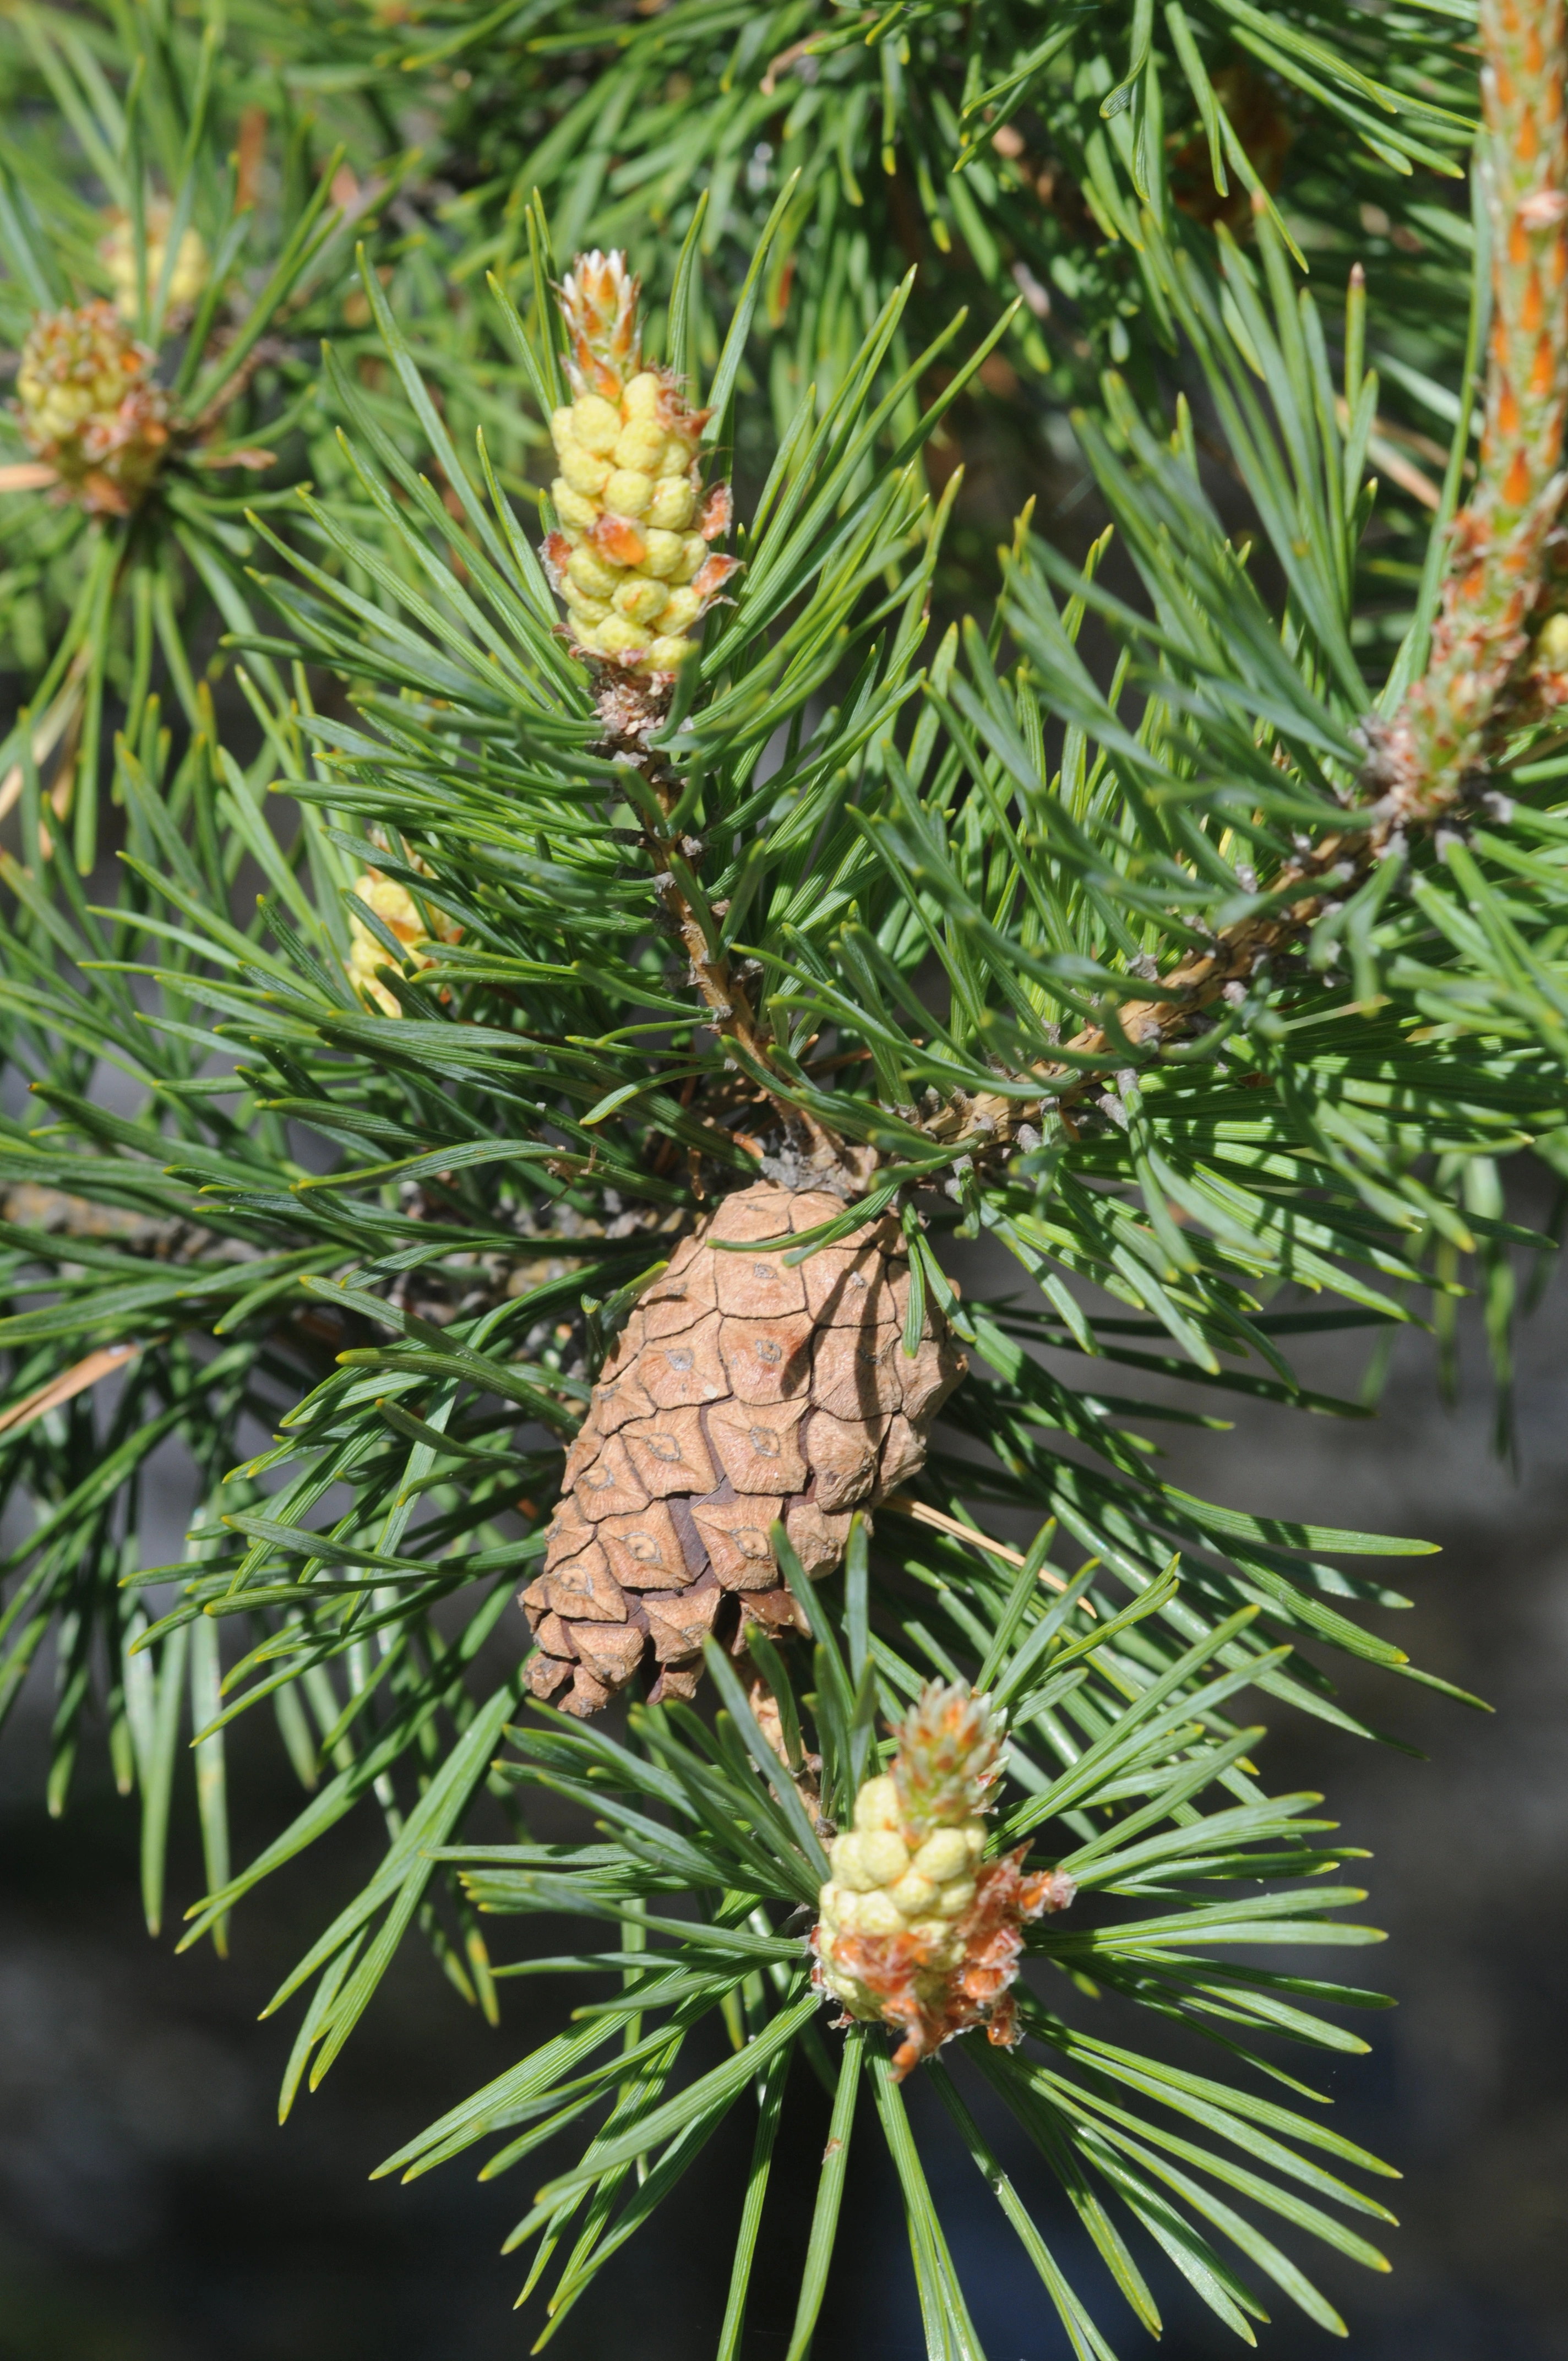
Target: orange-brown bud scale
(932, 2005)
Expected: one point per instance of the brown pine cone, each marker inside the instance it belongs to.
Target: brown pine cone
(742, 1389)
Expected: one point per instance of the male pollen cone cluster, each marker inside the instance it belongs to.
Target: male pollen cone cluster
(742, 1390)
(631, 557)
(916, 1930)
(403, 918)
(89, 407)
(188, 274)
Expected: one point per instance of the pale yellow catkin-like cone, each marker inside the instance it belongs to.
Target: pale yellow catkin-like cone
(915, 1929)
(885, 1883)
(631, 557)
(88, 407)
(400, 915)
(118, 252)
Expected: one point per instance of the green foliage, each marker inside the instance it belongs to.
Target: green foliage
(1012, 144)
(93, 603)
(141, 127)
(1089, 2106)
(955, 869)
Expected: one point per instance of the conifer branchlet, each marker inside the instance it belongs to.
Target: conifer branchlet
(974, 921)
(1498, 660)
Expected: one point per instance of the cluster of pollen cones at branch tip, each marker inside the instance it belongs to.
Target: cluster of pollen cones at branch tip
(745, 1390)
(405, 921)
(88, 403)
(631, 557)
(89, 407)
(916, 1929)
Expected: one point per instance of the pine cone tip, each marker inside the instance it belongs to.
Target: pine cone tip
(950, 1754)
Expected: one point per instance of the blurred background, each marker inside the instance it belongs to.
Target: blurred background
(152, 2210)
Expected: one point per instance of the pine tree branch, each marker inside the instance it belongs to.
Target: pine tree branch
(1485, 678)
(1499, 657)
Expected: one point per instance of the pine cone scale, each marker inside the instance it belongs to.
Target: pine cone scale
(584, 1590)
(852, 1371)
(847, 1291)
(687, 1368)
(670, 1453)
(611, 1651)
(677, 1306)
(619, 1399)
(554, 1638)
(759, 1445)
(644, 1549)
(903, 1453)
(743, 1390)
(817, 1536)
(843, 1457)
(609, 1486)
(679, 1625)
(735, 1535)
(766, 1360)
